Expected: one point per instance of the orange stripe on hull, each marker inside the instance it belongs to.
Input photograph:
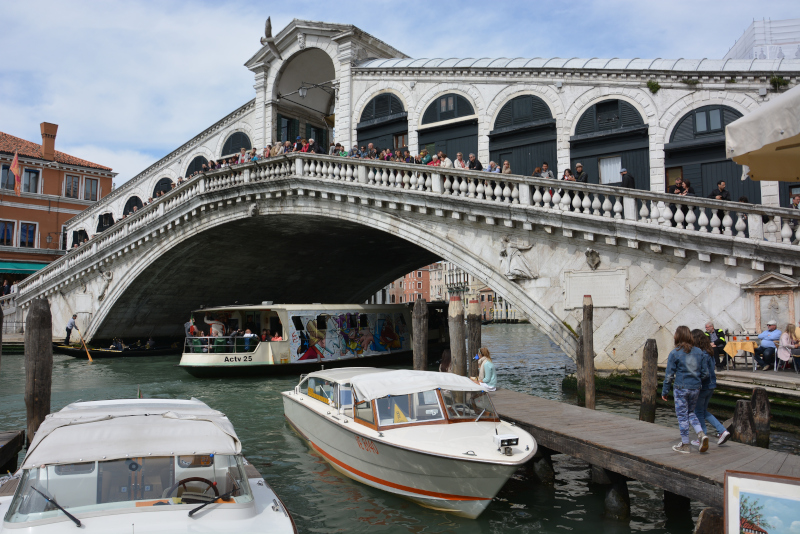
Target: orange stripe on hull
(409, 489)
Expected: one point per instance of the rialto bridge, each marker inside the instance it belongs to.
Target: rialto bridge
(303, 228)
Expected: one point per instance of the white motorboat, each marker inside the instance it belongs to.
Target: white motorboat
(434, 438)
(140, 465)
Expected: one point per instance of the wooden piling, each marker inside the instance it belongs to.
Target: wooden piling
(473, 335)
(419, 319)
(38, 363)
(455, 319)
(710, 521)
(743, 427)
(647, 410)
(759, 402)
(543, 465)
(579, 374)
(588, 349)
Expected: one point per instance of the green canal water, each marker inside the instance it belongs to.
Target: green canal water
(322, 500)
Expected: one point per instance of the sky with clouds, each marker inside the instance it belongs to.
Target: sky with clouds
(783, 515)
(128, 82)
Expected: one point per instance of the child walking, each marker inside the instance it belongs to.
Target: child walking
(685, 368)
(702, 342)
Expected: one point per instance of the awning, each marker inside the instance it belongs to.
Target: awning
(768, 139)
(20, 267)
(402, 382)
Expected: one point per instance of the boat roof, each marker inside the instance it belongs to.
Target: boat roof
(403, 382)
(307, 307)
(344, 375)
(130, 428)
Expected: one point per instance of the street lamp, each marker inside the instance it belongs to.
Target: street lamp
(303, 91)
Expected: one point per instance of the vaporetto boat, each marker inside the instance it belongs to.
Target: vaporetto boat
(434, 438)
(299, 338)
(139, 465)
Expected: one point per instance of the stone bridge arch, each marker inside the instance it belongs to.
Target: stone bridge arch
(167, 259)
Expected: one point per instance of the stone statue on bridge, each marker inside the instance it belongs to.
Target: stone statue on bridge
(513, 263)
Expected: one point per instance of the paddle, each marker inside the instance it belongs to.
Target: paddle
(85, 347)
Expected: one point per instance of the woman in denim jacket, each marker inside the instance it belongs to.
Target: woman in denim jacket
(685, 368)
(702, 342)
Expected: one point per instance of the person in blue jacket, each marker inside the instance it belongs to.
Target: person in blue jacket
(702, 342)
(686, 371)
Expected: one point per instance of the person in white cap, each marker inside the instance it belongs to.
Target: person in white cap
(764, 355)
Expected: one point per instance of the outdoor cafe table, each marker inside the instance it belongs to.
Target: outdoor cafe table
(733, 347)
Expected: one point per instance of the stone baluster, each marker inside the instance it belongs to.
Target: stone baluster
(480, 190)
(715, 222)
(666, 215)
(727, 223)
(556, 200)
(566, 200)
(464, 187)
(384, 178)
(644, 214)
(596, 205)
(515, 194)
(537, 196)
(448, 185)
(413, 180)
(428, 182)
(576, 202)
(691, 218)
(506, 193)
(586, 203)
(406, 180)
(741, 226)
(348, 173)
(608, 207)
(498, 192)
(471, 188)
(679, 217)
(547, 198)
(786, 232)
(771, 229)
(371, 176)
(617, 207)
(702, 220)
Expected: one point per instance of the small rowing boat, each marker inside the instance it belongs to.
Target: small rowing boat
(433, 438)
(80, 352)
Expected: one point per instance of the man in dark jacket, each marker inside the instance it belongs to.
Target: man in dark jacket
(627, 179)
(580, 174)
(717, 339)
(720, 193)
(474, 164)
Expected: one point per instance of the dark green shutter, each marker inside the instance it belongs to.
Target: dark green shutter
(278, 129)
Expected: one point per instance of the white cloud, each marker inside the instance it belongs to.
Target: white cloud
(794, 528)
(138, 79)
(125, 162)
(776, 523)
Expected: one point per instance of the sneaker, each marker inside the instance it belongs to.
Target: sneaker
(703, 441)
(682, 448)
(695, 443)
(725, 436)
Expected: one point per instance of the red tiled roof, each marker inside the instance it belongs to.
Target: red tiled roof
(749, 527)
(9, 144)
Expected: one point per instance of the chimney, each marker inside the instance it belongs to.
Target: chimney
(48, 140)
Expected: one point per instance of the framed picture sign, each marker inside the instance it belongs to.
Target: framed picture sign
(756, 503)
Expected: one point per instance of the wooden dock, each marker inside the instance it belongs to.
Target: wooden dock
(636, 449)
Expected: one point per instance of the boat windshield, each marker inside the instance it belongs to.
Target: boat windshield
(468, 406)
(413, 408)
(114, 485)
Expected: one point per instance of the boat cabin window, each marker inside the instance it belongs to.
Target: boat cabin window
(322, 321)
(364, 412)
(363, 320)
(468, 405)
(129, 483)
(345, 397)
(320, 389)
(414, 408)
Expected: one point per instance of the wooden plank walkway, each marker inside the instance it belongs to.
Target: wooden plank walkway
(638, 450)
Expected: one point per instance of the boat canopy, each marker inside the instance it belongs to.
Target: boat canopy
(403, 382)
(129, 428)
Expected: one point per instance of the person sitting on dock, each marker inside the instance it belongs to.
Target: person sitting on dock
(717, 339)
(685, 369)
(487, 377)
(764, 355)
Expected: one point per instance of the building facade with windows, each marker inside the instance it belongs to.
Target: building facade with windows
(54, 188)
(658, 118)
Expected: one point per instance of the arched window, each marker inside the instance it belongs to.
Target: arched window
(235, 143)
(105, 220)
(164, 184)
(446, 107)
(196, 165)
(706, 121)
(608, 115)
(381, 106)
(133, 202)
(521, 110)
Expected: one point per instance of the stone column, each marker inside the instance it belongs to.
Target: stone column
(260, 129)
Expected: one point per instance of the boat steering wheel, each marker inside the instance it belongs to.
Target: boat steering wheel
(183, 482)
(461, 409)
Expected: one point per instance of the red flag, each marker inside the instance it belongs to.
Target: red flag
(17, 175)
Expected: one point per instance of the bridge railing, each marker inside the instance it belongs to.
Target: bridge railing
(692, 215)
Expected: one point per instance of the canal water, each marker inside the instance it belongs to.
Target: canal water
(322, 500)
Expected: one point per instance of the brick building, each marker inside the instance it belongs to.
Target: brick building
(54, 188)
(414, 285)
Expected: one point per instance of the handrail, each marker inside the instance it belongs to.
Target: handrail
(692, 215)
(207, 344)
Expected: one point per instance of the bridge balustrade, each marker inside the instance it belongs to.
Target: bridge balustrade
(691, 215)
